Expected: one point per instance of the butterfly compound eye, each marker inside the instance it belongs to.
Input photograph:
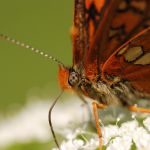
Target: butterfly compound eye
(73, 78)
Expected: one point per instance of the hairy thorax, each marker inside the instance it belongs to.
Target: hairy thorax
(118, 93)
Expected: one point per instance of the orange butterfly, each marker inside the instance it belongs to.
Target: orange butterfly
(111, 54)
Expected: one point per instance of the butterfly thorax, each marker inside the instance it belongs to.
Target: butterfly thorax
(120, 92)
(99, 90)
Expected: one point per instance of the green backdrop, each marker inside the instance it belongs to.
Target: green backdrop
(44, 24)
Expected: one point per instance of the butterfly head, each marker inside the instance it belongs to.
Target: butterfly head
(68, 77)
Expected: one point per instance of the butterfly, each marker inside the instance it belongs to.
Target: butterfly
(111, 54)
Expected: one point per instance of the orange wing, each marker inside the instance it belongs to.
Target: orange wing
(121, 20)
(79, 33)
(131, 62)
(87, 16)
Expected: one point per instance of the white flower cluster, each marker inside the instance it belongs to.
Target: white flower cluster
(129, 134)
(73, 142)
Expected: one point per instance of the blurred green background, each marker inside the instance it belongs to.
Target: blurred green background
(44, 24)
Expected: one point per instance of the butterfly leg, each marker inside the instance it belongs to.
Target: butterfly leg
(86, 104)
(97, 106)
(134, 108)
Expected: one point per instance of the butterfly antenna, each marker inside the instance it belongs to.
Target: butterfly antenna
(50, 119)
(35, 50)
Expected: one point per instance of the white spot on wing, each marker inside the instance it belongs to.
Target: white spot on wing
(133, 53)
(144, 60)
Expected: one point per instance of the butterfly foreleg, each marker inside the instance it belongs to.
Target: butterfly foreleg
(135, 108)
(97, 106)
(87, 106)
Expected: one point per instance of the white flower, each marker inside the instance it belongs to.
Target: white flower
(31, 123)
(120, 143)
(146, 123)
(115, 138)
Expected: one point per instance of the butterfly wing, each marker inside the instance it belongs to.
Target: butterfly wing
(79, 33)
(87, 16)
(120, 20)
(130, 18)
(131, 62)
